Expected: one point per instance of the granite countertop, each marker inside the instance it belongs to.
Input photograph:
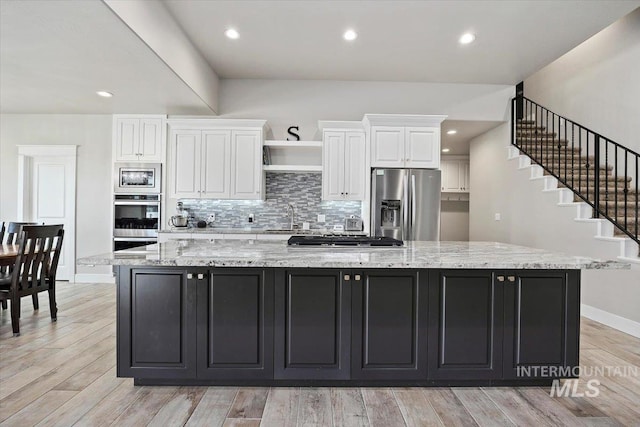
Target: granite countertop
(248, 230)
(257, 253)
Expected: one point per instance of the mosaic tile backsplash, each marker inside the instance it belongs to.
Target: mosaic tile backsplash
(302, 190)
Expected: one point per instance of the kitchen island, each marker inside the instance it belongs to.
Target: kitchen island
(256, 312)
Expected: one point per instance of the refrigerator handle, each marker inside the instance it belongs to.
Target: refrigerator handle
(405, 207)
(413, 204)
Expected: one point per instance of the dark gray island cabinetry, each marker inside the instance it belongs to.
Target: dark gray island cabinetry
(245, 313)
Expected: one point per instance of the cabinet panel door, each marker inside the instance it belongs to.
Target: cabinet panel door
(465, 326)
(150, 140)
(354, 170)
(127, 139)
(185, 164)
(387, 147)
(246, 165)
(388, 325)
(156, 324)
(422, 148)
(541, 322)
(235, 324)
(451, 176)
(466, 176)
(312, 325)
(333, 163)
(216, 164)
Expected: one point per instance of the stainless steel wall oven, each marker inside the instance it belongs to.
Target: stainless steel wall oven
(136, 220)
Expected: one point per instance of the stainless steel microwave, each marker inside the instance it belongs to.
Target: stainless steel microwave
(136, 178)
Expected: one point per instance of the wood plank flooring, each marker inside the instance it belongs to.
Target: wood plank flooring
(63, 374)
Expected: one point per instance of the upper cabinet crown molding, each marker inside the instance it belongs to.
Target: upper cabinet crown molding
(353, 125)
(416, 120)
(215, 123)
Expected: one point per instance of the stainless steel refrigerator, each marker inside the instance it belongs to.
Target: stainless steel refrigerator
(405, 203)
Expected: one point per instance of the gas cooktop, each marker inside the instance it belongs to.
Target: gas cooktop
(341, 240)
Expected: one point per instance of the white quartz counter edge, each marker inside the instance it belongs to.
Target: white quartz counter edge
(415, 255)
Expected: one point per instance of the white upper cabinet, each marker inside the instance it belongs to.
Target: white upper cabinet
(455, 176)
(343, 165)
(138, 138)
(214, 163)
(216, 169)
(246, 165)
(404, 141)
(387, 147)
(422, 147)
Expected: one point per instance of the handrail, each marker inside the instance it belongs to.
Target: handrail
(569, 151)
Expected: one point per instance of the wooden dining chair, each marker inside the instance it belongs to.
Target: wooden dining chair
(10, 236)
(34, 270)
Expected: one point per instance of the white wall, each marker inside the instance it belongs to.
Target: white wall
(531, 217)
(92, 133)
(287, 103)
(454, 221)
(597, 84)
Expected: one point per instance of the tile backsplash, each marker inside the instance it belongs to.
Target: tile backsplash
(302, 190)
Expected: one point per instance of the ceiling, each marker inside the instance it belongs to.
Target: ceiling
(398, 40)
(466, 130)
(54, 55)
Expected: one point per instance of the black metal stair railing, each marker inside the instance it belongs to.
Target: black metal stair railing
(599, 171)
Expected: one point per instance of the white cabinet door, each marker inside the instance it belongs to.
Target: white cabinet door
(127, 139)
(422, 147)
(216, 164)
(387, 147)
(246, 165)
(451, 176)
(466, 176)
(333, 165)
(354, 168)
(185, 164)
(150, 142)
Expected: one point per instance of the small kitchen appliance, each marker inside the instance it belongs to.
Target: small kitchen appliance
(353, 223)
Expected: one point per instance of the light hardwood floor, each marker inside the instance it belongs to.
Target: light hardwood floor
(63, 374)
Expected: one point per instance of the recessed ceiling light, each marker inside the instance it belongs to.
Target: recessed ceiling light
(445, 150)
(452, 132)
(467, 38)
(350, 35)
(104, 93)
(232, 33)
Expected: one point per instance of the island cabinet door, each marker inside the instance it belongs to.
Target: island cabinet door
(312, 324)
(541, 323)
(465, 325)
(156, 323)
(389, 323)
(235, 324)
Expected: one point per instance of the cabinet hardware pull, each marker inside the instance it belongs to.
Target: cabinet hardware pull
(200, 276)
(189, 276)
(357, 277)
(511, 278)
(347, 277)
(500, 278)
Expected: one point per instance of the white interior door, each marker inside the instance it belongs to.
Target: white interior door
(51, 191)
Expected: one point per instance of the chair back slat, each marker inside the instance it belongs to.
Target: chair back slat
(38, 255)
(13, 232)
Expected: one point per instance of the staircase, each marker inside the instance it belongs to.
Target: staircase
(596, 174)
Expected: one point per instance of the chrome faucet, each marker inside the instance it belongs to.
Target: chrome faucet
(291, 212)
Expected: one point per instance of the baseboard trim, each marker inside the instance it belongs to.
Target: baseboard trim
(613, 320)
(94, 278)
